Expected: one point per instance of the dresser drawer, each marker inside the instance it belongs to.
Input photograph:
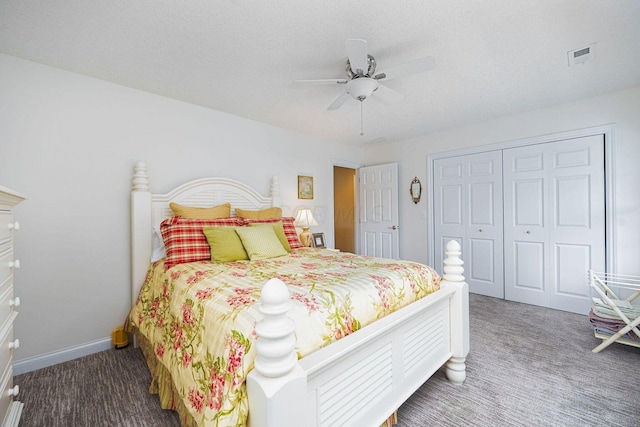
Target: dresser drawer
(6, 258)
(6, 306)
(6, 218)
(5, 398)
(6, 344)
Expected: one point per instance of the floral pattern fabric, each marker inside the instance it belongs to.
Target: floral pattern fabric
(200, 317)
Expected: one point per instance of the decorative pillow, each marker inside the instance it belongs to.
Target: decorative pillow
(216, 212)
(185, 241)
(225, 244)
(260, 214)
(277, 227)
(287, 225)
(260, 242)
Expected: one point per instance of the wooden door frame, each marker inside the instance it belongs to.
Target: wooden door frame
(610, 135)
(350, 165)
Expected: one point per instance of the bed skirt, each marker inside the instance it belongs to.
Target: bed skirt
(162, 384)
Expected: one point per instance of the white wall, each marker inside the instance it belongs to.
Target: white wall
(69, 143)
(621, 108)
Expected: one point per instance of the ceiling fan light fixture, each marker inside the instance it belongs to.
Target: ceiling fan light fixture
(361, 88)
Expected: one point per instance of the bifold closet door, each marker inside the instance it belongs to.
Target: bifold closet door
(468, 208)
(554, 223)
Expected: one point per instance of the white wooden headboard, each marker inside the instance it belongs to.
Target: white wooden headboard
(149, 210)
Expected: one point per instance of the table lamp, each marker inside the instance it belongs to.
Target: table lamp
(305, 219)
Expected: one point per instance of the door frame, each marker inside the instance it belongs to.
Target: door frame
(350, 165)
(610, 135)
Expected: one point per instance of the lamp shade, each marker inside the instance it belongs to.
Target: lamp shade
(304, 218)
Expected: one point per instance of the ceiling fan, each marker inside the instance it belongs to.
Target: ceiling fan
(362, 80)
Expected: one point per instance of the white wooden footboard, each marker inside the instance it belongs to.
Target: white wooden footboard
(361, 379)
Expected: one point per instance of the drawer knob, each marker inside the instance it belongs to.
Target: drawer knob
(14, 344)
(14, 264)
(14, 391)
(14, 302)
(14, 226)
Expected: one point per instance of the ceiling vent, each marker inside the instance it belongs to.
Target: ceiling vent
(582, 55)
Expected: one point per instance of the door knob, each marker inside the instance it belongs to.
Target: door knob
(394, 227)
(528, 232)
(480, 230)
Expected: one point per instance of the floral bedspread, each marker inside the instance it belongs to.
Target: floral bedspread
(200, 317)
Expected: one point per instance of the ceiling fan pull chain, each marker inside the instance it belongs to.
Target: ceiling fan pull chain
(361, 121)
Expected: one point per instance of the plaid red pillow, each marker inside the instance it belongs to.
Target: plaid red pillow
(287, 225)
(184, 240)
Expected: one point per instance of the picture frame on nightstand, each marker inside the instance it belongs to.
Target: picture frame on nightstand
(318, 241)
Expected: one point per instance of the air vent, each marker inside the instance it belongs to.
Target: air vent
(582, 55)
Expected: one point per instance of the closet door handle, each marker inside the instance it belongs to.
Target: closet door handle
(14, 264)
(528, 232)
(480, 230)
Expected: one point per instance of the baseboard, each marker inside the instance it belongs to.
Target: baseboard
(49, 359)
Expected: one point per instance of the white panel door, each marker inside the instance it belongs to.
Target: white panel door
(378, 189)
(554, 228)
(468, 208)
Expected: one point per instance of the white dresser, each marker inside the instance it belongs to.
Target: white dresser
(10, 409)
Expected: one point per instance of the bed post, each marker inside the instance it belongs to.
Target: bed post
(277, 386)
(454, 278)
(140, 228)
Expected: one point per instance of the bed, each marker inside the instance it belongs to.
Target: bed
(358, 374)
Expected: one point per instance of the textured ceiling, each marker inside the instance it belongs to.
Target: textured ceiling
(494, 58)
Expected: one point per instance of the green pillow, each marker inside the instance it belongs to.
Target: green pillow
(260, 242)
(279, 229)
(225, 244)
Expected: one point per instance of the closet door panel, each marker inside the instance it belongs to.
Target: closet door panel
(554, 198)
(483, 231)
(577, 221)
(571, 261)
(449, 204)
(528, 267)
(468, 208)
(526, 242)
(482, 254)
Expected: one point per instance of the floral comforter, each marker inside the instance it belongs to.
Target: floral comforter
(200, 317)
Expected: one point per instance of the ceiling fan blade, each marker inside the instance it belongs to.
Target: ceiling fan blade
(387, 94)
(416, 66)
(321, 81)
(339, 102)
(357, 53)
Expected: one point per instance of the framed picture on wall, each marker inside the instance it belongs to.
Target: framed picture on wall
(318, 240)
(305, 187)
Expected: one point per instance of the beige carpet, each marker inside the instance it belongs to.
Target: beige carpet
(528, 366)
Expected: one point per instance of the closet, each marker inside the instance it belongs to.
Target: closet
(530, 219)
